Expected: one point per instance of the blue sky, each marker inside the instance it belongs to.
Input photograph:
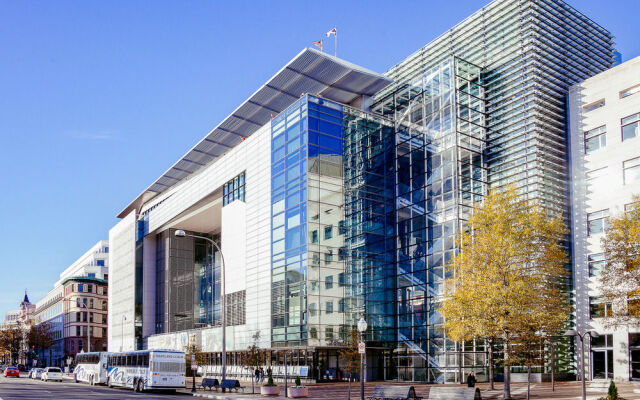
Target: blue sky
(97, 99)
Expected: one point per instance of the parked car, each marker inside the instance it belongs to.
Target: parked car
(36, 373)
(11, 371)
(51, 374)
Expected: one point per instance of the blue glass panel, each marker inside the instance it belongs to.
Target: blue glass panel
(277, 155)
(278, 141)
(293, 172)
(313, 151)
(277, 181)
(293, 238)
(330, 142)
(293, 145)
(293, 158)
(277, 167)
(293, 131)
(293, 200)
(313, 137)
(330, 128)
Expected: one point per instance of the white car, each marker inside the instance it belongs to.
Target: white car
(51, 374)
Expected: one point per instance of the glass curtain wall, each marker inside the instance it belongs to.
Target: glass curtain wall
(440, 144)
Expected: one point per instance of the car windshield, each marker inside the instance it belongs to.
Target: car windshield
(54, 369)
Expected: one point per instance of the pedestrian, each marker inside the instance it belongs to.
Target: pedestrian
(257, 374)
(261, 374)
(471, 379)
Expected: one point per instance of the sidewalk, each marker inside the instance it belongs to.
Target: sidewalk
(539, 391)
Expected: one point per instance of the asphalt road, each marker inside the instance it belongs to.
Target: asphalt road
(27, 389)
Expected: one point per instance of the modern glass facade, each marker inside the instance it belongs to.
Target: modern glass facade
(496, 118)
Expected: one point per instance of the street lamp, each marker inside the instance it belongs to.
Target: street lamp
(582, 337)
(181, 233)
(362, 328)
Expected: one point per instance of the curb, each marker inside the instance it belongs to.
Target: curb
(221, 397)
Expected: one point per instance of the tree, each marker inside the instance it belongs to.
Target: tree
(507, 275)
(41, 337)
(620, 278)
(11, 339)
(350, 355)
(253, 357)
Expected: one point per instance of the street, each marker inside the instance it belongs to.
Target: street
(27, 389)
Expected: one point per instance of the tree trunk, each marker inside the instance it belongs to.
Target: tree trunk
(528, 381)
(491, 372)
(507, 372)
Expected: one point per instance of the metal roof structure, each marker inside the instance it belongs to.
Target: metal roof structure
(310, 72)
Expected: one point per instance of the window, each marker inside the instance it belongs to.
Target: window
(78, 333)
(91, 275)
(312, 309)
(341, 305)
(314, 236)
(595, 178)
(328, 333)
(234, 189)
(341, 228)
(328, 257)
(328, 232)
(595, 139)
(80, 287)
(631, 170)
(594, 106)
(630, 91)
(630, 126)
(100, 263)
(596, 263)
(597, 222)
(90, 289)
(104, 305)
(341, 279)
(598, 308)
(313, 332)
(329, 307)
(328, 282)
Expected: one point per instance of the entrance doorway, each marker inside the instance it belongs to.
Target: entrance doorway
(602, 357)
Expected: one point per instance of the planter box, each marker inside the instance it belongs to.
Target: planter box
(295, 392)
(270, 390)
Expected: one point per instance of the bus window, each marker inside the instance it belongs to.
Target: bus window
(145, 362)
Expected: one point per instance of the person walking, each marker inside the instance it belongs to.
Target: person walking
(471, 379)
(261, 374)
(257, 374)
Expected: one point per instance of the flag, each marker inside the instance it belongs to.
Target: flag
(333, 32)
(318, 44)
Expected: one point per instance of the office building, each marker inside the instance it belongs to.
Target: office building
(605, 168)
(75, 310)
(337, 192)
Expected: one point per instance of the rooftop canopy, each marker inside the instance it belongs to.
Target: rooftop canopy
(311, 72)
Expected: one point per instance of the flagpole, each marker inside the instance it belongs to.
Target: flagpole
(335, 47)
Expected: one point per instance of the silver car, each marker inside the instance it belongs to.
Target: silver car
(36, 373)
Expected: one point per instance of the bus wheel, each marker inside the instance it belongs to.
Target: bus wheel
(91, 383)
(75, 377)
(140, 386)
(109, 382)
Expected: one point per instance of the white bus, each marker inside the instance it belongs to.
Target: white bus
(147, 370)
(91, 368)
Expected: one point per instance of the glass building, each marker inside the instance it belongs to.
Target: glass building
(337, 193)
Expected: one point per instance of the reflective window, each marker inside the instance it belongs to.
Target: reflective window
(631, 170)
(594, 105)
(328, 282)
(234, 189)
(328, 232)
(630, 126)
(595, 139)
(596, 264)
(631, 91)
(597, 222)
(598, 308)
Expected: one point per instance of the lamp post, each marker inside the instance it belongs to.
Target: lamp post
(582, 337)
(82, 305)
(362, 328)
(181, 233)
(194, 366)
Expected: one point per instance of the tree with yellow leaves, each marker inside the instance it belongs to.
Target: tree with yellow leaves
(507, 279)
(620, 279)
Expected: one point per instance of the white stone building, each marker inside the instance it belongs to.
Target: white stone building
(604, 113)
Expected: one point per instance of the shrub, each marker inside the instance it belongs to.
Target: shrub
(612, 393)
(270, 381)
(298, 383)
